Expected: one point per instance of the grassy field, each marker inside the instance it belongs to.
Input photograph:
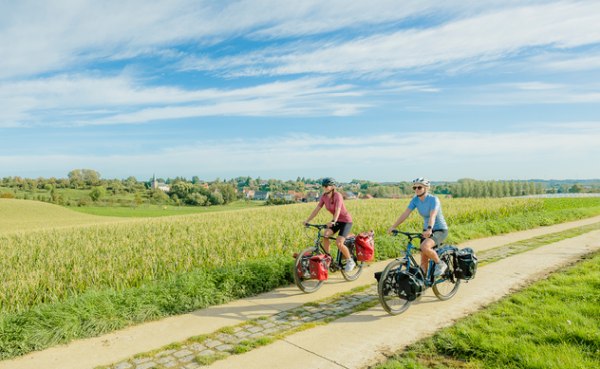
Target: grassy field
(148, 211)
(29, 216)
(552, 324)
(106, 273)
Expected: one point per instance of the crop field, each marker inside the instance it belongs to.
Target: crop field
(73, 275)
(147, 210)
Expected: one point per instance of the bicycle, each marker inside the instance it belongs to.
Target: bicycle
(393, 294)
(301, 272)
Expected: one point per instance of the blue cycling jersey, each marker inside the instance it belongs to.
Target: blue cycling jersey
(425, 207)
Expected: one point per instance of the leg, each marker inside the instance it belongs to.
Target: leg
(328, 232)
(427, 252)
(339, 241)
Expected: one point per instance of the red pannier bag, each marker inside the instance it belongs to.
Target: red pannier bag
(319, 267)
(365, 246)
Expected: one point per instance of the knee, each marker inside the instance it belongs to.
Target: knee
(427, 245)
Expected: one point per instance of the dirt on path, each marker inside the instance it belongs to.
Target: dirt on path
(366, 336)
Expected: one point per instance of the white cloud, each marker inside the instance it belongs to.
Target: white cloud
(573, 63)
(57, 34)
(81, 100)
(52, 35)
(529, 93)
(542, 151)
(482, 37)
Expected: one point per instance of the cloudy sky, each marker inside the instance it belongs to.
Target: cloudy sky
(381, 89)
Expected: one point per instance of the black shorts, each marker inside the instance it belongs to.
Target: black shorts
(439, 236)
(343, 228)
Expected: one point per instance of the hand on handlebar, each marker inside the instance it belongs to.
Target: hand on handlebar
(392, 231)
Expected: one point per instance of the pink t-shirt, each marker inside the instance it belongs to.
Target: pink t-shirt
(332, 203)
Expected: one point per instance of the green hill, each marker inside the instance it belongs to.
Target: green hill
(25, 215)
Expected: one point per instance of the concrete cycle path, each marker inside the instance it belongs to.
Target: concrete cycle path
(342, 343)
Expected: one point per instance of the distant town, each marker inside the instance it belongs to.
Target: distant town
(83, 187)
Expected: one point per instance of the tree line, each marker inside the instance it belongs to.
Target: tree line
(196, 192)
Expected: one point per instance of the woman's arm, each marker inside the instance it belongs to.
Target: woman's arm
(336, 214)
(401, 219)
(429, 231)
(314, 213)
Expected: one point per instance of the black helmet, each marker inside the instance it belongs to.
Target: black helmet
(328, 182)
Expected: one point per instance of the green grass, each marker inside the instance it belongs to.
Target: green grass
(554, 323)
(497, 253)
(148, 211)
(29, 216)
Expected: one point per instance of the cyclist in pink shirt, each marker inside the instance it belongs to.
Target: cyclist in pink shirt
(341, 222)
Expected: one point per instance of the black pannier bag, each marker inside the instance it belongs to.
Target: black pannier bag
(404, 283)
(390, 283)
(410, 287)
(466, 264)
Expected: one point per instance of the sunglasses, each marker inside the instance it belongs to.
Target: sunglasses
(418, 188)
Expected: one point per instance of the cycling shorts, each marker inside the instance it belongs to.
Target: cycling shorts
(343, 229)
(439, 236)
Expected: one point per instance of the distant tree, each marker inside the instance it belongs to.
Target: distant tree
(159, 196)
(216, 198)
(576, 188)
(97, 192)
(197, 199)
(137, 199)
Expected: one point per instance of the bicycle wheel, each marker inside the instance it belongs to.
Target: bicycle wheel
(387, 289)
(301, 271)
(447, 285)
(354, 273)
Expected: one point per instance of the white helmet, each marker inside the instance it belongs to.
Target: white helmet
(422, 181)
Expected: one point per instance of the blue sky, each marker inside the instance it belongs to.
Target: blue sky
(380, 90)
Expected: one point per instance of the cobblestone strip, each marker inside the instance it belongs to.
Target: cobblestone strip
(201, 351)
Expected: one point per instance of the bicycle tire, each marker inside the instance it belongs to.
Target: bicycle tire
(448, 286)
(388, 296)
(356, 272)
(306, 285)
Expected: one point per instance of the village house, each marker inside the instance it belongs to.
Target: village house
(261, 195)
(156, 185)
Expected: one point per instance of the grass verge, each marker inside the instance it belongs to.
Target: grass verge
(497, 253)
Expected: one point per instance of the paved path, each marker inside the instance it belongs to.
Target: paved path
(117, 346)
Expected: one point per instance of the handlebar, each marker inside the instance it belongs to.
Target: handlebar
(410, 235)
(317, 226)
(320, 227)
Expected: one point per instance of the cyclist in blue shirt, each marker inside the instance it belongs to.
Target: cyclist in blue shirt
(435, 229)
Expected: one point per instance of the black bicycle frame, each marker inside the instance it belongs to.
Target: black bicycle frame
(336, 263)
